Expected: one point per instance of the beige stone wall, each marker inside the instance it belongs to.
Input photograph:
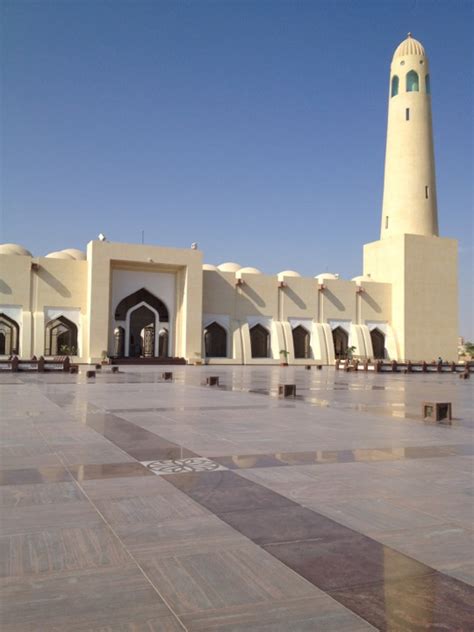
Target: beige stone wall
(422, 272)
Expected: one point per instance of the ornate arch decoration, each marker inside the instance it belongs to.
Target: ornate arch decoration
(10, 335)
(141, 296)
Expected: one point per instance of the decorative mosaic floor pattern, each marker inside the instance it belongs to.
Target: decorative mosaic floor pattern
(179, 466)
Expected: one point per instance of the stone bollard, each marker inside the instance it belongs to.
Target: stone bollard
(308, 367)
(212, 380)
(319, 367)
(73, 369)
(287, 390)
(441, 412)
(167, 375)
(98, 367)
(90, 374)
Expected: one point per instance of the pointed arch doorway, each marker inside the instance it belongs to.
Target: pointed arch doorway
(143, 335)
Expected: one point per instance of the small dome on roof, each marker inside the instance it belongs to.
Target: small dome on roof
(209, 266)
(59, 254)
(229, 266)
(250, 271)
(410, 46)
(363, 278)
(288, 273)
(75, 253)
(326, 276)
(14, 249)
(247, 270)
(68, 253)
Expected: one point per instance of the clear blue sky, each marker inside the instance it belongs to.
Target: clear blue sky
(255, 128)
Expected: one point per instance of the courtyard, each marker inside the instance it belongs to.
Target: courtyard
(133, 504)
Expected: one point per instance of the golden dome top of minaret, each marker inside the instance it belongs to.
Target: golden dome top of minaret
(409, 46)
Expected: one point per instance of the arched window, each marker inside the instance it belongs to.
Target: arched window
(378, 343)
(215, 341)
(341, 342)
(428, 84)
(301, 339)
(413, 84)
(259, 341)
(395, 84)
(9, 336)
(61, 337)
(163, 343)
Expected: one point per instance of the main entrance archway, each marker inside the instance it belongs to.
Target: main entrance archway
(143, 334)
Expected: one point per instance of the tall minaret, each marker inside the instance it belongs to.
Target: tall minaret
(409, 197)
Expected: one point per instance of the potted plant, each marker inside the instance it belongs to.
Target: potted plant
(284, 357)
(66, 350)
(350, 352)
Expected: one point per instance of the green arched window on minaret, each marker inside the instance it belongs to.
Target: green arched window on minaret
(395, 84)
(413, 83)
(428, 84)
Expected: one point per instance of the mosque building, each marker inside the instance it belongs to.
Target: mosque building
(141, 301)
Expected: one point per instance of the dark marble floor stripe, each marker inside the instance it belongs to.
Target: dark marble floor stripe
(359, 572)
(320, 457)
(139, 443)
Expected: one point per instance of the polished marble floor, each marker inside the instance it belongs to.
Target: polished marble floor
(131, 504)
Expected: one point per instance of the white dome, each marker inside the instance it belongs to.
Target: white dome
(250, 271)
(75, 253)
(229, 266)
(326, 276)
(410, 46)
(68, 253)
(288, 273)
(60, 254)
(363, 278)
(209, 266)
(14, 249)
